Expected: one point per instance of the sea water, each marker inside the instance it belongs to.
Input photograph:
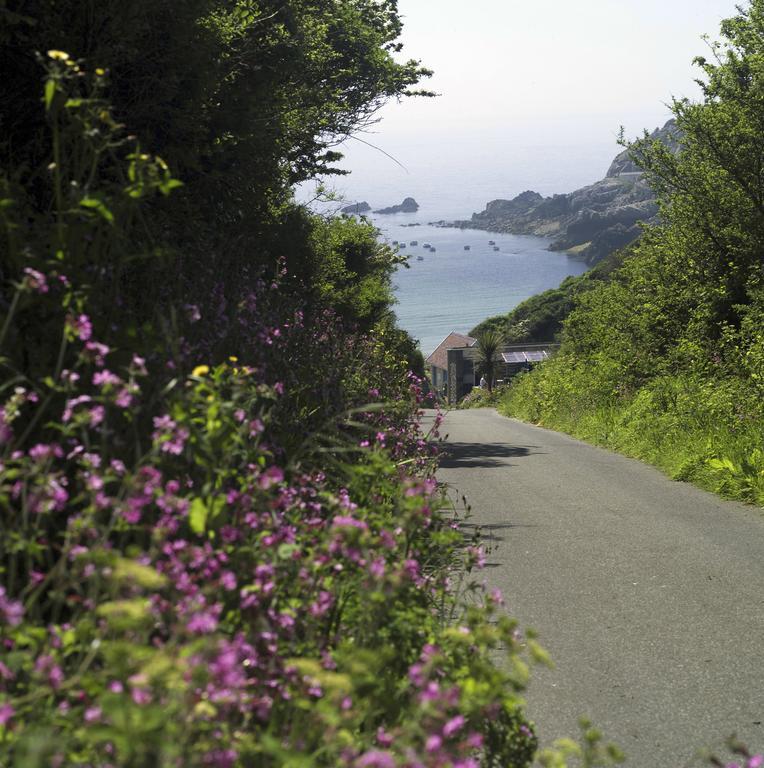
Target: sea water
(454, 289)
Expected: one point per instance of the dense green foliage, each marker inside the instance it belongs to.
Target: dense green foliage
(665, 361)
(483, 398)
(540, 318)
(223, 545)
(241, 99)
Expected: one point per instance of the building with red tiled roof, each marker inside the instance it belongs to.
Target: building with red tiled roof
(437, 362)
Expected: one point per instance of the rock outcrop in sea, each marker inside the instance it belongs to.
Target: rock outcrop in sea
(356, 208)
(409, 205)
(591, 222)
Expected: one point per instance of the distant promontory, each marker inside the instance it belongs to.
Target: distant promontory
(409, 205)
(591, 222)
(357, 208)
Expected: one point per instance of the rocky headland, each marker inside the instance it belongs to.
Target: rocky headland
(409, 205)
(591, 222)
(356, 208)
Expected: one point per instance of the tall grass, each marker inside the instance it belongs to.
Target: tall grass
(694, 428)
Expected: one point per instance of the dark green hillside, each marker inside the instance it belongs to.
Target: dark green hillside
(666, 361)
(540, 317)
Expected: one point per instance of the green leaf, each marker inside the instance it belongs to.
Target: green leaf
(132, 572)
(167, 186)
(723, 464)
(197, 516)
(126, 614)
(285, 551)
(50, 92)
(94, 204)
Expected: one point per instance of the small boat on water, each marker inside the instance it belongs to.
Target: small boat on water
(467, 247)
(420, 258)
(395, 242)
(433, 249)
(491, 242)
(496, 248)
(426, 245)
(414, 242)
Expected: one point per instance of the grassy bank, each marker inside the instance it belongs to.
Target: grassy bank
(701, 430)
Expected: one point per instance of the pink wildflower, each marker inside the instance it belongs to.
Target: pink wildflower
(255, 427)
(35, 280)
(138, 365)
(96, 352)
(92, 714)
(11, 611)
(82, 327)
(124, 398)
(105, 378)
(271, 476)
(383, 737)
(376, 759)
(453, 725)
(6, 713)
(96, 415)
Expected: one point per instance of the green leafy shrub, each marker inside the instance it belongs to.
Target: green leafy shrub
(663, 359)
(220, 562)
(482, 398)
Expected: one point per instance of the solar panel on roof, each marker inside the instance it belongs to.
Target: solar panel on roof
(529, 356)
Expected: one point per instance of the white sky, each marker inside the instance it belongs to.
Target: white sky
(530, 73)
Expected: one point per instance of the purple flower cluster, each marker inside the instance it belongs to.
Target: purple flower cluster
(219, 572)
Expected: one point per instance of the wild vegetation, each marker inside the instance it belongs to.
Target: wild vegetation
(222, 541)
(664, 360)
(540, 318)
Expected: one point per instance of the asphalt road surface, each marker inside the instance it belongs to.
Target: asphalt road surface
(648, 593)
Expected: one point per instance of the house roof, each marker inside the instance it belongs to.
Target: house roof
(439, 358)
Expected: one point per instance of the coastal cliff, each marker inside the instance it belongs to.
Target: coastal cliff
(591, 222)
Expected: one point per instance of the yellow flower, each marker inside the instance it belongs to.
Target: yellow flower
(233, 359)
(100, 72)
(58, 55)
(200, 370)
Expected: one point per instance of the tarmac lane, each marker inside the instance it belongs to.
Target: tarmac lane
(647, 593)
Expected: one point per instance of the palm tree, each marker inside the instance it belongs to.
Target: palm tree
(488, 345)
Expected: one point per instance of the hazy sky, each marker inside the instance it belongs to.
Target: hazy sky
(561, 72)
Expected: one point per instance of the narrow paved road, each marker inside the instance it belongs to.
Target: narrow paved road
(649, 594)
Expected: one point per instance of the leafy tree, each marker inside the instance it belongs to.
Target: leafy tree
(242, 99)
(665, 356)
